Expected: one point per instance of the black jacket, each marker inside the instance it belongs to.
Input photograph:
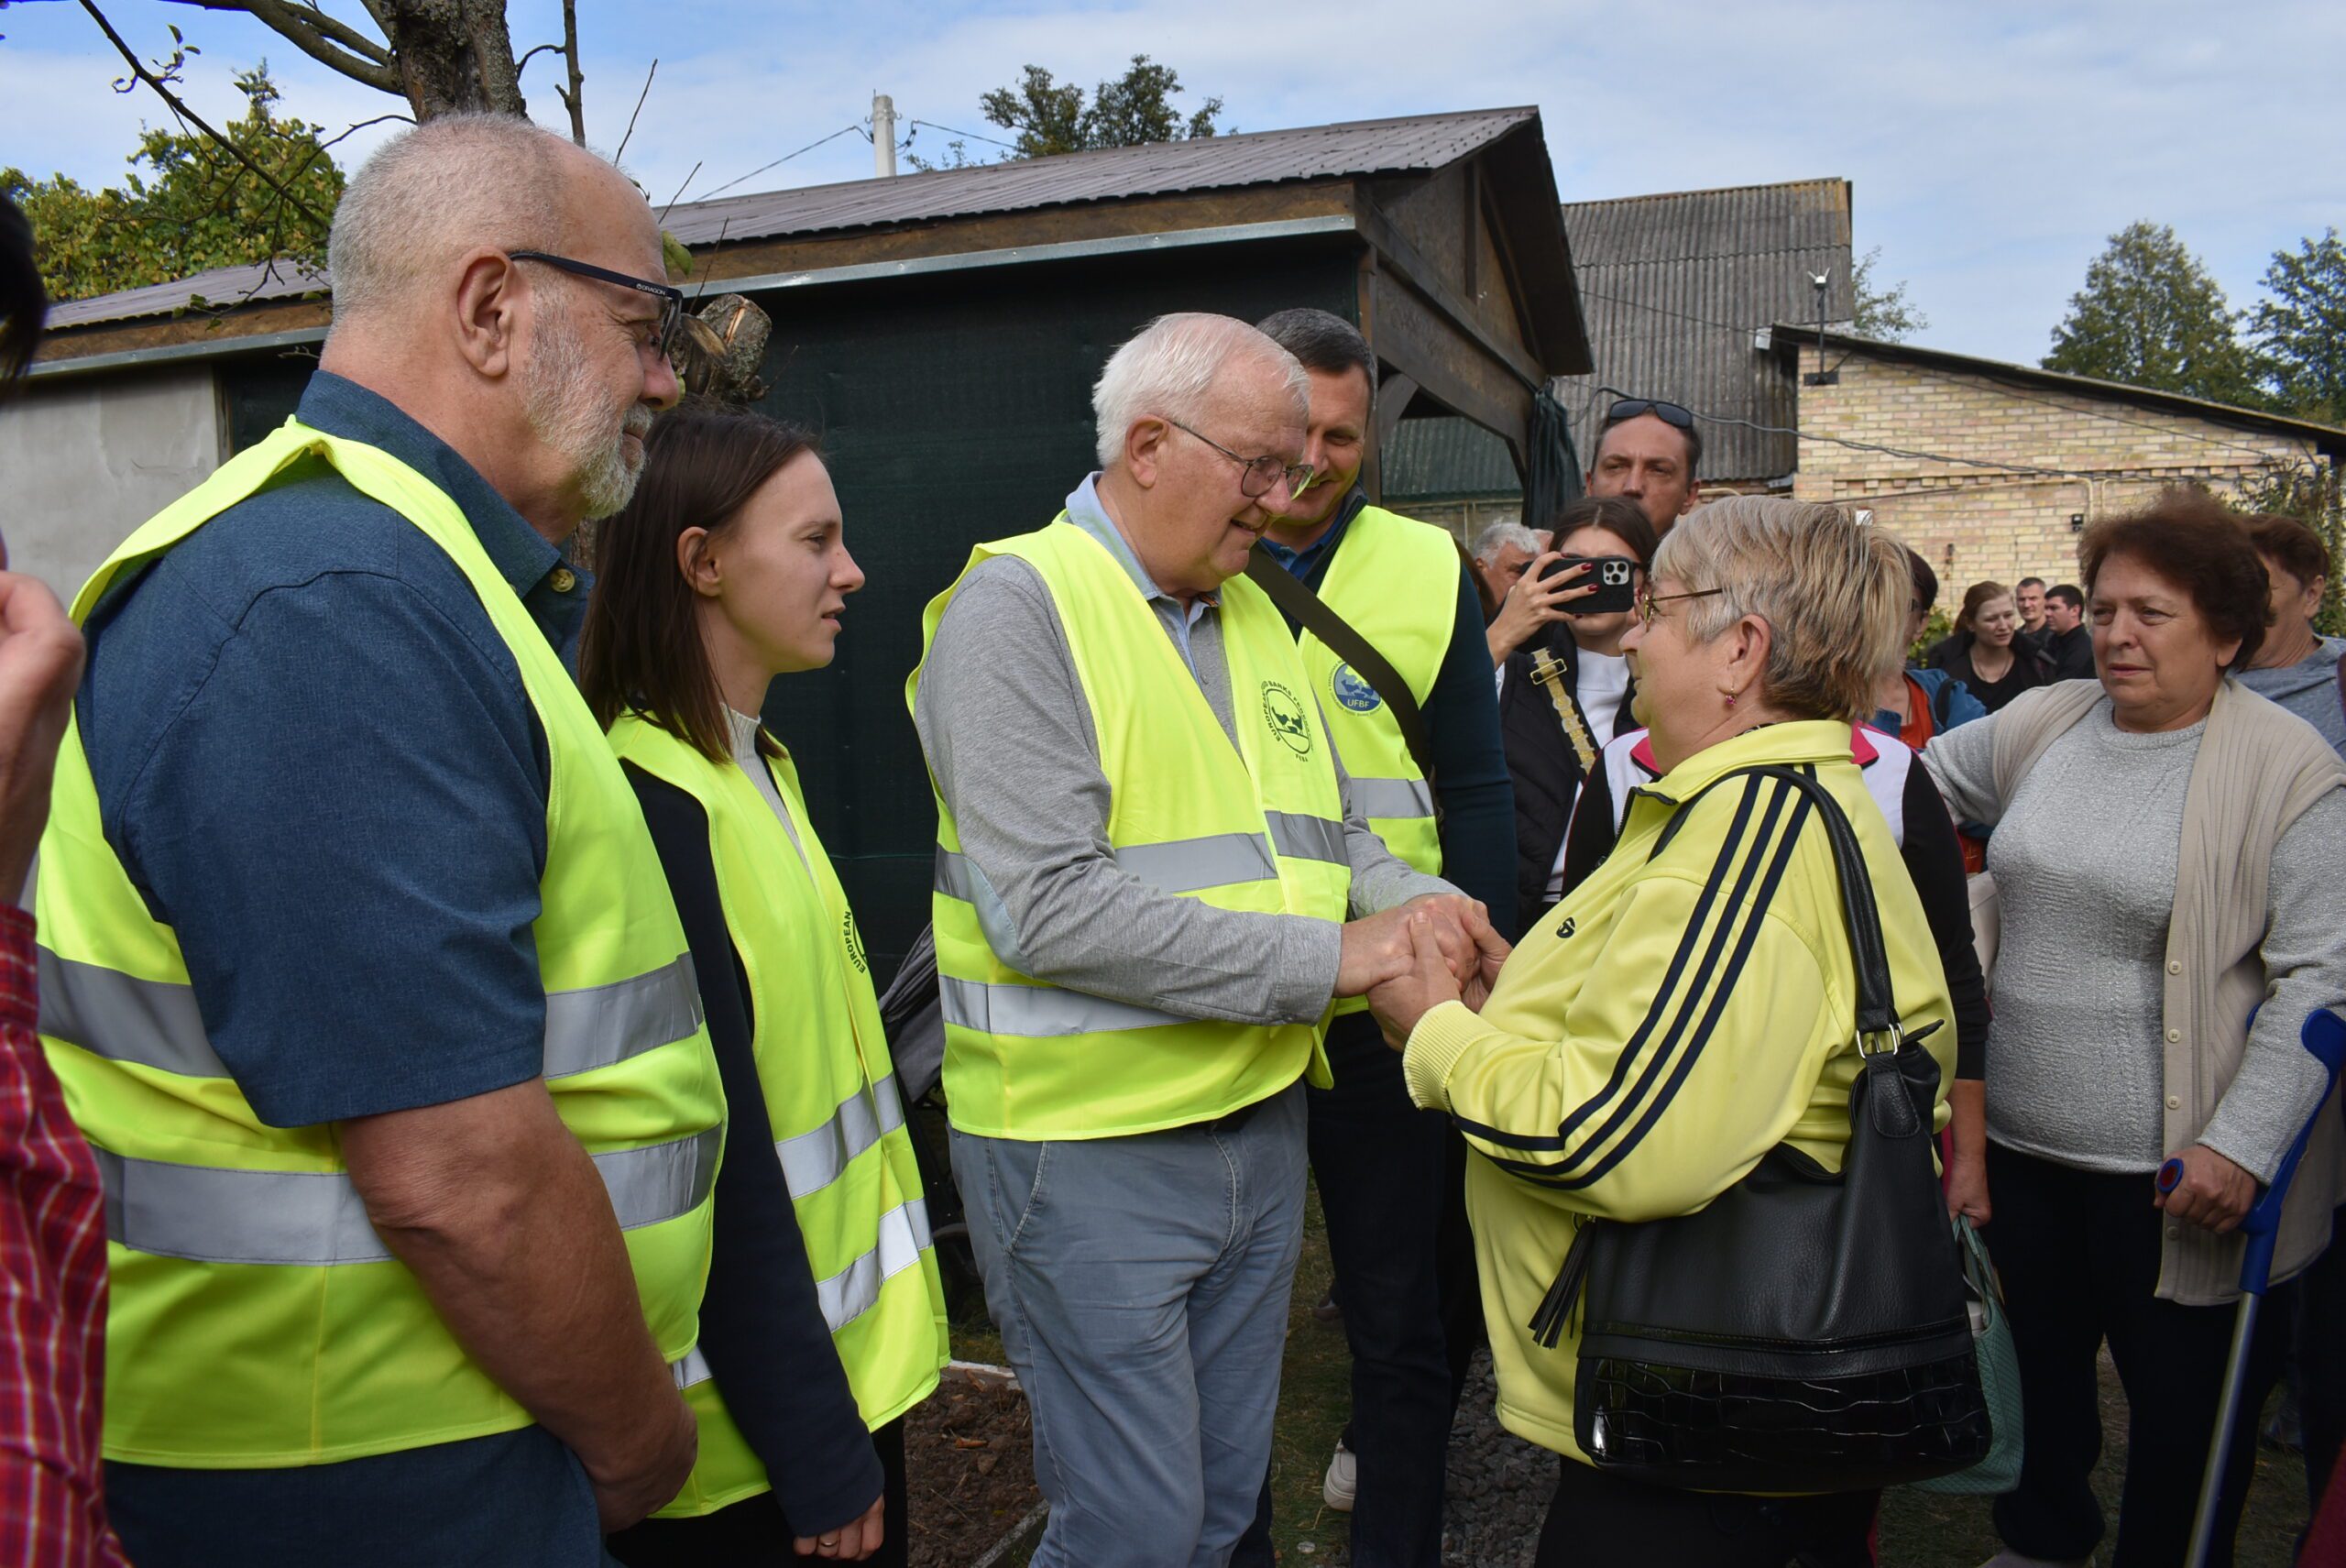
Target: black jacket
(2071, 652)
(1540, 760)
(2030, 669)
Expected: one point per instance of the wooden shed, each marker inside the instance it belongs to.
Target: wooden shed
(942, 330)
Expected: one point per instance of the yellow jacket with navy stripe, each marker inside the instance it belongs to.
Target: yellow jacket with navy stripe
(1688, 1008)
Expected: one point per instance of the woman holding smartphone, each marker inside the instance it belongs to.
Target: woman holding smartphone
(1565, 693)
(825, 1318)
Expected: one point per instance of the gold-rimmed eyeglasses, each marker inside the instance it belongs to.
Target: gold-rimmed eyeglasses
(1648, 602)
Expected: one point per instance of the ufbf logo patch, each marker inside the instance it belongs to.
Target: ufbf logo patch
(1283, 714)
(1353, 692)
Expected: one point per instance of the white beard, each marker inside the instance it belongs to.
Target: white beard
(561, 405)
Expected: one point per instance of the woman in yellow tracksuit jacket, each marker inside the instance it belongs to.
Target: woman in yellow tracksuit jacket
(824, 1319)
(1692, 1004)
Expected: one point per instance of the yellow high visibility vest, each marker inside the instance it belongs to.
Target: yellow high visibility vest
(1396, 581)
(257, 1320)
(830, 1093)
(1257, 827)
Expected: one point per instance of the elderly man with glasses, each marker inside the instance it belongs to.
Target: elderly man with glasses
(1150, 887)
(394, 1069)
(1650, 451)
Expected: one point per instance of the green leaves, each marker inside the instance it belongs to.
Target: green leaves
(1050, 116)
(185, 205)
(2151, 314)
(2300, 331)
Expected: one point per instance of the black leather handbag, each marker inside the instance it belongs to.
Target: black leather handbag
(1805, 1332)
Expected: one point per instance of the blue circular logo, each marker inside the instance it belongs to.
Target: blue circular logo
(1353, 692)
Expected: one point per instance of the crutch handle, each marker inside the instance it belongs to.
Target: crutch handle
(2170, 1176)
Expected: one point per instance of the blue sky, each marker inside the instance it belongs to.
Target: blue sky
(1993, 147)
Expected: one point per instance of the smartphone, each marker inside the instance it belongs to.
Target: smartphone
(1615, 578)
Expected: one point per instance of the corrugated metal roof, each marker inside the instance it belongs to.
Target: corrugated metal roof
(1673, 288)
(1252, 157)
(1447, 458)
(222, 286)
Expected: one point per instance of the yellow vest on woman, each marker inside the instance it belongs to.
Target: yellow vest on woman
(830, 1093)
(258, 1320)
(1258, 827)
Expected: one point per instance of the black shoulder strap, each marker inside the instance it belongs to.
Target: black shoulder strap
(1315, 615)
(1876, 1010)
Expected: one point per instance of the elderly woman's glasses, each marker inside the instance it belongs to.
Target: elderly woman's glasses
(671, 297)
(1257, 475)
(1649, 602)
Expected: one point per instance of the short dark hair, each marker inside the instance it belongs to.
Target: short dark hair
(2297, 548)
(2026, 581)
(641, 649)
(1926, 582)
(1322, 341)
(23, 301)
(2068, 594)
(2196, 544)
(1614, 515)
(1694, 441)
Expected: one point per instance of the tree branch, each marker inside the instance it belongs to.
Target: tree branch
(187, 115)
(639, 107)
(315, 34)
(574, 100)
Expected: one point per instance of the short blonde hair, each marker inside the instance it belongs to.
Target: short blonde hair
(1834, 592)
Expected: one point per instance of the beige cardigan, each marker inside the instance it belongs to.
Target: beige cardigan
(2258, 769)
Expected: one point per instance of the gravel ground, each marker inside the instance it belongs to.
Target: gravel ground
(1500, 1485)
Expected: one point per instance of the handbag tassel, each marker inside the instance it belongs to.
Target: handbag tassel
(1547, 1324)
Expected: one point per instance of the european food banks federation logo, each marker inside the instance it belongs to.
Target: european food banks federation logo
(1284, 715)
(1353, 693)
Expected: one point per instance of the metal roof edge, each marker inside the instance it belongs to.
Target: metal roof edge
(1788, 337)
(859, 272)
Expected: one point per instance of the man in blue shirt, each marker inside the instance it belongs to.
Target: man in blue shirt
(315, 758)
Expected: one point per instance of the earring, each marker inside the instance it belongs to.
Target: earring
(1730, 698)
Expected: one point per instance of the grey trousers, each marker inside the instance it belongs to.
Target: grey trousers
(1141, 1286)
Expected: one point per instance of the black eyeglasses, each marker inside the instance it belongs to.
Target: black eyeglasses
(1630, 408)
(671, 297)
(1259, 473)
(1647, 612)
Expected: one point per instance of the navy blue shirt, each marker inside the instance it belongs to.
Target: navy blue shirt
(1461, 715)
(315, 758)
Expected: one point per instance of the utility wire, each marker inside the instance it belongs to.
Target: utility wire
(970, 135)
(785, 157)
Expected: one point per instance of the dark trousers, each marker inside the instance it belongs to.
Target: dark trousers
(2078, 1255)
(1600, 1519)
(2321, 1360)
(753, 1531)
(1382, 1169)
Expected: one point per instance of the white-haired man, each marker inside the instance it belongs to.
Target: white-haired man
(1146, 864)
(394, 1070)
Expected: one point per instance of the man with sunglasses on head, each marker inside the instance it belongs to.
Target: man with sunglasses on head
(1151, 883)
(395, 1071)
(1650, 452)
(1383, 1166)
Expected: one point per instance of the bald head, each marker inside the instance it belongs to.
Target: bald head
(450, 186)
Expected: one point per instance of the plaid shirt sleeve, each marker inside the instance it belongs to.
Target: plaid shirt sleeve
(52, 1297)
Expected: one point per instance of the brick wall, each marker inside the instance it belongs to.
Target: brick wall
(2001, 522)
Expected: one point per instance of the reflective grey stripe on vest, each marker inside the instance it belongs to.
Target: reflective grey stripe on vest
(813, 1160)
(1036, 1011)
(1390, 798)
(154, 1023)
(855, 1290)
(958, 876)
(1309, 838)
(692, 1369)
(313, 1219)
(1185, 865)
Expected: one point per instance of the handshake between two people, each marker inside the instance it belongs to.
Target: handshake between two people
(1412, 958)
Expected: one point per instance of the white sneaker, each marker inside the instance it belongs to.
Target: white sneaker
(1343, 1484)
(2008, 1557)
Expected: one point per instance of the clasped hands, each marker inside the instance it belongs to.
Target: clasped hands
(1410, 958)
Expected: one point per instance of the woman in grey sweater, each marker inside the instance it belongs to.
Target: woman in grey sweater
(2171, 849)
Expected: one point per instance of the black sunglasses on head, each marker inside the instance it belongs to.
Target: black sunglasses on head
(671, 297)
(1631, 408)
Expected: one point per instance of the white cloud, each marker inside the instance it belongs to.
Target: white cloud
(1993, 146)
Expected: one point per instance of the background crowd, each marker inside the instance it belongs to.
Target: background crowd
(420, 914)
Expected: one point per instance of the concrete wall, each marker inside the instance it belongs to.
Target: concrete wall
(1973, 523)
(85, 459)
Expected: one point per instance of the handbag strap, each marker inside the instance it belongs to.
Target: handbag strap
(1316, 616)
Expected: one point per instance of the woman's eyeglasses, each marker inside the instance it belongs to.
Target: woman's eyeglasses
(1648, 602)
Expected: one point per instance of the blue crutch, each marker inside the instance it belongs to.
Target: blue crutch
(2325, 1036)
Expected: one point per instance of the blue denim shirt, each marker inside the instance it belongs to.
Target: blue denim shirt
(315, 755)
